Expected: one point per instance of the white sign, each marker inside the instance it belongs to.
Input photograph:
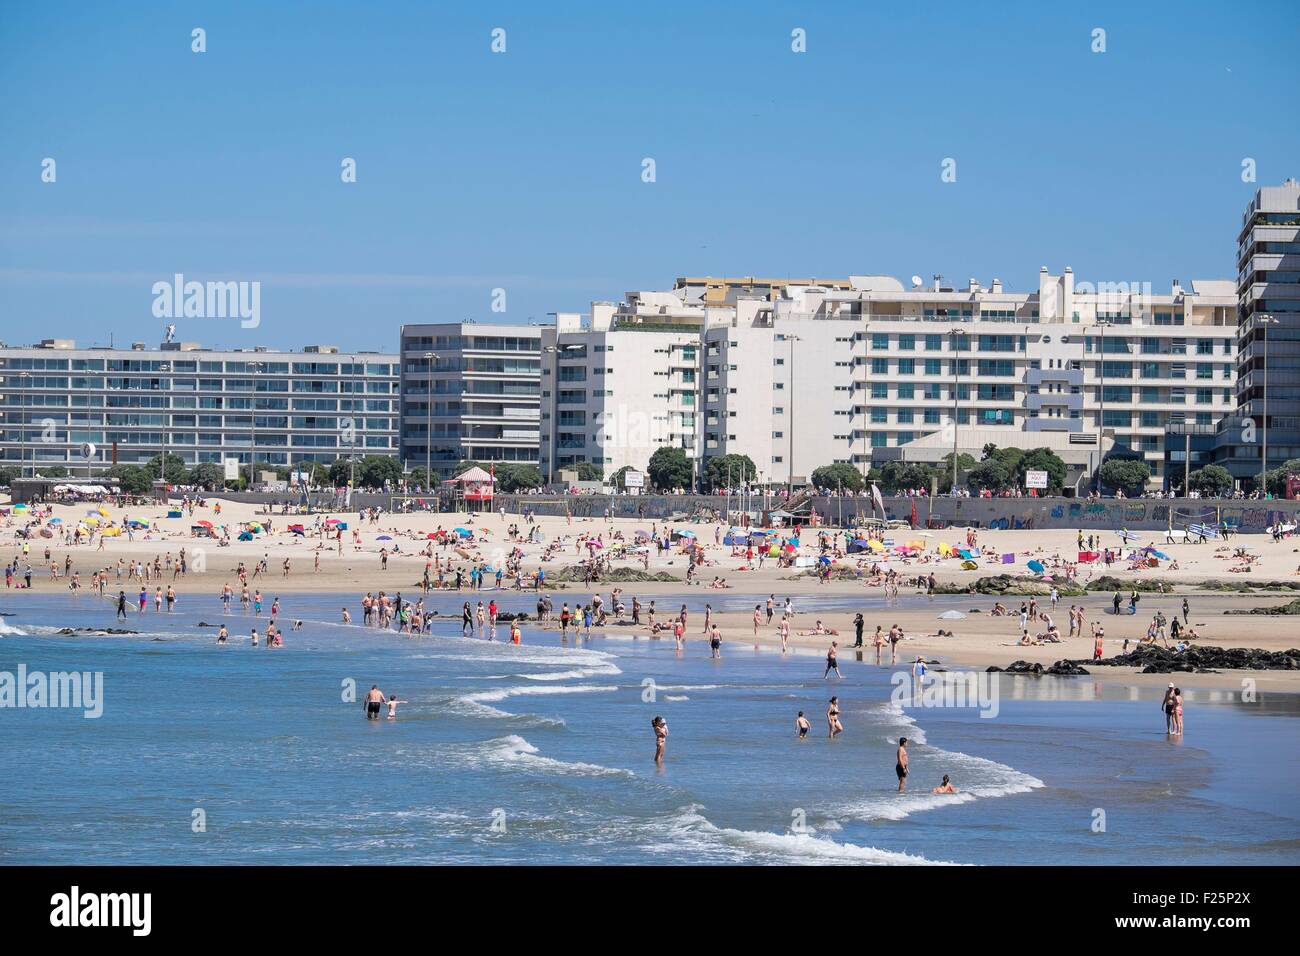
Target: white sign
(1035, 479)
(633, 479)
(232, 468)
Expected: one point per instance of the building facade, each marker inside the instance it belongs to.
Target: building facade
(202, 405)
(470, 391)
(866, 371)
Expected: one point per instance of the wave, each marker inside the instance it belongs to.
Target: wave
(690, 830)
(477, 702)
(514, 752)
(7, 630)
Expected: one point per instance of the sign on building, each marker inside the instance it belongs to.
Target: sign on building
(1035, 479)
(633, 479)
(232, 468)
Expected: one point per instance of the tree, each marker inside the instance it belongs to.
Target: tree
(589, 471)
(1212, 480)
(207, 475)
(989, 475)
(733, 469)
(616, 479)
(53, 471)
(669, 468)
(7, 475)
(1126, 473)
(839, 475)
(131, 478)
(897, 475)
(466, 464)
(374, 470)
(1275, 479)
(176, 472)
(1043, 459)
(965, 463)
(511, 477)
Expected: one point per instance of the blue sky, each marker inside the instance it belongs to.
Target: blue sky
(522, 170)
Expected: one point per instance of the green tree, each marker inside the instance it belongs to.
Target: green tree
(896, 475)
(839, 475)
(465, 465)
(1212, 480)
(53, 471)
(735, 468)
(175, 471)
(207, 475)
(965, 463)
(131, 478)
(1043, 459)
(7, 475)
(989, 475)
(589, 471)
(669, 468)
(374, 470)
(1275, 479)
(511, 477)
(1126, 473)
(616, 479)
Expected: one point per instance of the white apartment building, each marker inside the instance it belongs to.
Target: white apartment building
(797, 376)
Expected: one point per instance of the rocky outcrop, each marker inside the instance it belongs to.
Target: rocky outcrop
(93, 630)
(1006, 584)
(1108, 582)
(576, 573)
(1059, 669)
(1153, 659)
(1292, 607)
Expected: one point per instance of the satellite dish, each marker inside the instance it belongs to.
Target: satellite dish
(916, 282)
(88, 451)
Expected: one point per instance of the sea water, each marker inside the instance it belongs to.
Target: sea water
(543, 753)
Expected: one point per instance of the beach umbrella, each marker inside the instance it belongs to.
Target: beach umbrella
(298, 529)
(206, 524)
(245, 536)
(1036, 567)
(824, 560)
(432, 536)
(951, 616)
(103, 511)
(332, 521)
(112, 532)
(857, 545)
(56, 521)
(641, 535)
(385, 537)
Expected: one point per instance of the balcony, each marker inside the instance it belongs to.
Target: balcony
(1053, 424)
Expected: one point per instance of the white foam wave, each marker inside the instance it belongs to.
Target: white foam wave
(479, 702)
(7, 630)
(514, 752)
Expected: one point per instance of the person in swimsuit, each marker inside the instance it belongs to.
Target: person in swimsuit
(1168, 705)
(222, 634)
(661, 736)
(374, 701)
(832, 661)
(833, 718)
(802, 726)
(392, 706)
(715, 641)
(900, 766)
(1178, 711)
(945, 787)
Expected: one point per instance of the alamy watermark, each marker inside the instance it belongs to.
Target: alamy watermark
(971, 689)
(73, 690)
(179, 299)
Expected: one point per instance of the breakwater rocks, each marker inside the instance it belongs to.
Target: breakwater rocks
(98, 631)
(576, 573)
(1000, 584)
(1153, 659)
(1059, 669)
(1108, 582)
(1292, 607)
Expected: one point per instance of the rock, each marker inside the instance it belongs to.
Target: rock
(999, 584)
(1108, 582)
(94, 630)
(1059, 669)
(1154, 659)
(1292, 607)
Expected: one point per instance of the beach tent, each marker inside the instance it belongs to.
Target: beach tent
(736, 536)
(1036, 567)
(968, 554)
(858, 544)
(245, 536)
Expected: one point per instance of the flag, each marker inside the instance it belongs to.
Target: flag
(913, 512)
(876, 500)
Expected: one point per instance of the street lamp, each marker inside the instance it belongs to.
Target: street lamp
(954, 332)
(1101, 397)
(256, 369)
(1264, 321)
(22, 432)
(429, 359)
(789, 423)
(162, 458)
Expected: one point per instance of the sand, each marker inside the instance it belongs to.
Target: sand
(980, 638)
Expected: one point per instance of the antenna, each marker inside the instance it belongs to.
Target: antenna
(916, 282)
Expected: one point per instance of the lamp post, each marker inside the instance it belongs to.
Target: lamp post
(1101, 397)
(789, 423)
(954, 332)
(429, 358)
(22, 431)
(162, 457)
(1264, 321)
(256, 369)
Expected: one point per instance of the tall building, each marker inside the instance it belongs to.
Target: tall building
(199, 404)
(469, 392)
(868, 371)
(1268, 315)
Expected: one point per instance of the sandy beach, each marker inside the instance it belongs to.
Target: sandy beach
(979, 638)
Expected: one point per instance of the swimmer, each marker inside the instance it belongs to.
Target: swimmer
(222, 634)
(802, 726)
(945, 787)
(833, 717)
(661, 736)
(374, 700)
(254, 637)
(900, 766)
(297, 625)
(347, 618)
(392, 708)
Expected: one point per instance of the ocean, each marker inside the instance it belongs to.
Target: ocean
(542, 754)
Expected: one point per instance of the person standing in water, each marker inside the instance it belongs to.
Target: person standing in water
(374, 701)
(392, 706)
(900, 765)
(121, 605)
(661, 737)
(802, 726)
(833, 718)
(222, 634)
(832, 661)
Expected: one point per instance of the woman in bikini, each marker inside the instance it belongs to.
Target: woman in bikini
(833, 718)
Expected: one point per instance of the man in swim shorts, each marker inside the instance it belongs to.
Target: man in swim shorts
(374, 702)
(900, 767)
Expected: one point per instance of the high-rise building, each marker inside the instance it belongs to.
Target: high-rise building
(469, 392)
(1268, 336)
(202, 405)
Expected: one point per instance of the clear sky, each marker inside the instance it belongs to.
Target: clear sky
(523, 170)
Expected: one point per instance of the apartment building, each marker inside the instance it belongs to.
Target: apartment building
(865, 371)
(470, 391)
(1268, 330)
(202, 405)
